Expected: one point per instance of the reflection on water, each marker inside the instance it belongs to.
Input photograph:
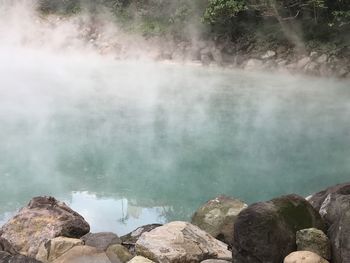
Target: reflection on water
(108, 214)
(132, 143)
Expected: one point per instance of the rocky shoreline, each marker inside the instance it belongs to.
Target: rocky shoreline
(231, 55)
(109, 40)
(287, 229)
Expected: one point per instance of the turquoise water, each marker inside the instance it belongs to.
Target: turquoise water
(131, 143)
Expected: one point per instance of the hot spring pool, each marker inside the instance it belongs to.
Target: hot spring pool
(131, 143)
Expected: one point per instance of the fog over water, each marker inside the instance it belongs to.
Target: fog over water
(127, 143)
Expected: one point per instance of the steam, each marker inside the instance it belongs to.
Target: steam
(75, 119)
(21, 26)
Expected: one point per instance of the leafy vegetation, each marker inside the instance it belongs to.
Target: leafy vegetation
(271, 20)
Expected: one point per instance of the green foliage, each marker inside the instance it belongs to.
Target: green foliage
(62, 7)
(222, 11)
(321, 20)
(341, 18)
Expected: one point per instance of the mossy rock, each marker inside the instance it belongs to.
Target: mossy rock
(217, 217)
(266, 231)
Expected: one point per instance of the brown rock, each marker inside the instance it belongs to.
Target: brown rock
(83, 254)
(44, 218)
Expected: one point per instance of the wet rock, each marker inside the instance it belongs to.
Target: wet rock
(253, 64)
(180, 242)
(325, 70)
(217, 217)
(266, 231)
(303, 62)
(192, 53)
(304, 257)
(41, 220)
(83, 254)
(54, 248)
(312, 68)
(6, 257)
(342, 71)
(118, 254)
(129, 240)
(205, 59)
(281, 62)
(101, 240)
(313, 55)
(139, 259)
(322, 59)
(333, 204)
(268, 54)
(217, 56)
(314, 240)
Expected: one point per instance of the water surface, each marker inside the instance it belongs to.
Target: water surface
(131, 143)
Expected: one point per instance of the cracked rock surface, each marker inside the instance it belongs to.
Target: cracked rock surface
(183, 242)
(44, 218)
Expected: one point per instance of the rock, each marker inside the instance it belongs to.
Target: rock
(42, 219)
(268, 54)
(266, 231)
(322, 59)
(215, 261)
(83, 254)
(281, 62)
(342, 71)
(7, 247)
(206, 51)
(180, 242)
(192, 53)
(314, 240)
(270, 65)
(118, 254)
(313, 54)
(311, 68)
(253, 64)
(325, 70)
(217, 56)
(304, 257)
(102, 240)
(129, 240)
(6, 257)
(205, 59)
(218, 216)
(139, 259)
(54, 248)
(303, 62)
(334, 206)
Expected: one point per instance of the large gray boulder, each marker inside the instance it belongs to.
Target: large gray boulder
(183, 242)
(266, 231)
(101, 240)
(314, 240)
(333, 204)
(217, 217)
(129, 240)
(42, 219)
